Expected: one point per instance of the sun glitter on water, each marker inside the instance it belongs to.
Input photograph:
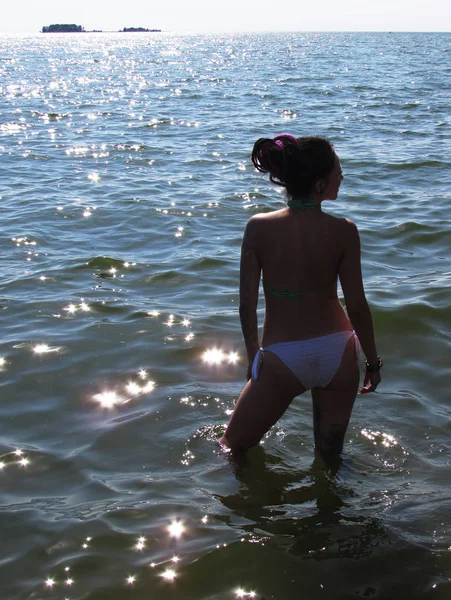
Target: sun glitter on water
(216, 356)
(45, 349)
(132, 389)
(176, 529)
(169, 574)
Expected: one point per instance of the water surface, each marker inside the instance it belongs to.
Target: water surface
(125, 185)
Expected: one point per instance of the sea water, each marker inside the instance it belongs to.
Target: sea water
(125, 186)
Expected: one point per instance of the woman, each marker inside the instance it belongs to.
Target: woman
(308, 342)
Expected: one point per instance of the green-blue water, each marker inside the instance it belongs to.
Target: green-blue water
(125, 185)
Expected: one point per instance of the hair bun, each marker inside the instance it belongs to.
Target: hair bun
(269, 156)
(295, 163)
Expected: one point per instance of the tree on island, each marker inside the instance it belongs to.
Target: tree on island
(63, 28)
(134, 29)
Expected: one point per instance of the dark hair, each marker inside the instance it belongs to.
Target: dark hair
(294, 163)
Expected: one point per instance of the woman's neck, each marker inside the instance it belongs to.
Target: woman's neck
(304, 204)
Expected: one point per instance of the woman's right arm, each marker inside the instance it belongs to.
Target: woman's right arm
(250, 271)
(350, 273)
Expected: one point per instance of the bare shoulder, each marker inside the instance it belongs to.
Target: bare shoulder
(251, 231)
(259, 221)
(343, 226)
(350, 229)
(269, 216)
(259, 227)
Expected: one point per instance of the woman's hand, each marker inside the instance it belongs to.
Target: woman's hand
(370, 382)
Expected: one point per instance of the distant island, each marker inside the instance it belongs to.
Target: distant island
(72, 28)
(65, 28)
(134, 29)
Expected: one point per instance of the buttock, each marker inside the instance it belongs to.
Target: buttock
(313, 361)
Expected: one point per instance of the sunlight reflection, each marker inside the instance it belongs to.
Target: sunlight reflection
(170, 321)
(233, 358)
(44, 349)
(94, 177)
(50, 582)
(69, 581)
(2, 361)
(131, 579)
(140, 543)
(188, 457)
(176, 529)
(24, 240)
(135, 389)
(153, 313)
(86, 544)
(78, 150)
(386, 439)
(240, 593)
(215, 356)
(108, 399)
(189, 337)
(169, 574)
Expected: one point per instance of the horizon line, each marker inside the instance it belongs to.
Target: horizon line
(244, 31)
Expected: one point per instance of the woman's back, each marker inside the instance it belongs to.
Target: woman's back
(299, 252)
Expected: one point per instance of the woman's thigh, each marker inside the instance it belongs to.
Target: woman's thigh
(261, 403)
(332, 406)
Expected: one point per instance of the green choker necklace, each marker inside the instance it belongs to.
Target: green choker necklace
(303, 204)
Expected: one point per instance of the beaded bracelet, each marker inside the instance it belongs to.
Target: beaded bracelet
(372, 368)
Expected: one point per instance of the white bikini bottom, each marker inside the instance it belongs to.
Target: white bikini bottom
(315, 361)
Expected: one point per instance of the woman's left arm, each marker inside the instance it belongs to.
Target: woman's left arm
(250, 271)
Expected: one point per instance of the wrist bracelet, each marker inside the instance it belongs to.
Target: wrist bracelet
(372, 368)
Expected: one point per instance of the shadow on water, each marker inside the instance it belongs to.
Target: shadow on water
(317, 530)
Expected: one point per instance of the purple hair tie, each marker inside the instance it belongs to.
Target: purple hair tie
(278, 169)
(277, 138)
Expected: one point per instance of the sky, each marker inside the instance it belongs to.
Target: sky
(28, 16)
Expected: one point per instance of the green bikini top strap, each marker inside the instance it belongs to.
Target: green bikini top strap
(282, 293)
(288, 294)
(303, 204)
